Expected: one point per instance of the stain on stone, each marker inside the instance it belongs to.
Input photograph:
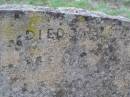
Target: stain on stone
(83, 54)
(13, 79)
(107, 66)
(10, 65)
(89, 18)
(11, 43)
(111, 48)
(120, 23)
(113, 40)
(28, 60)
(102, 65)
(74, 39)
(38, 60)
(117, 22)
(32, 92)
(102, 29)
(42, 83)
(60, 93)
(60, 23)
(16, 16)
(24, 88)
(58, 15)
(10, 96)
(114, 58)
(97, 50)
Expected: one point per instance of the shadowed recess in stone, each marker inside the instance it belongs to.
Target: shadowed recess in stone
(63, 52)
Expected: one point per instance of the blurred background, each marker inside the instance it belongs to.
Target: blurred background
(112, 7)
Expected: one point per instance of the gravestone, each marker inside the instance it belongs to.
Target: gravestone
(62, 52)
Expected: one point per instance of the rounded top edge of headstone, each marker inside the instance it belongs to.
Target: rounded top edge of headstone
(65, 10)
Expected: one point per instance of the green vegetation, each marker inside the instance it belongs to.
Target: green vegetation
(112, 7)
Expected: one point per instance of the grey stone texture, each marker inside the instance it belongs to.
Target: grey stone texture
(61, 52)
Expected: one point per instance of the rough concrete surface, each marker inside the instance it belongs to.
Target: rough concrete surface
(70, 52)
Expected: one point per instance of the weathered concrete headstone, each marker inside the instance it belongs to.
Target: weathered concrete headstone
(63, 53)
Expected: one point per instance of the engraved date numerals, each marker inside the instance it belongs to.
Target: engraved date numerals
(55, 35)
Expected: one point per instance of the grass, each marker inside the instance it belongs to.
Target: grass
(112, 7)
